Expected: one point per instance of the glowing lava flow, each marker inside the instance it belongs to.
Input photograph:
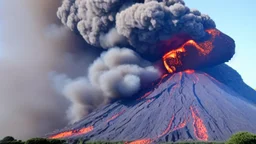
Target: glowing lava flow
(180, 126)
(72, 133)
(115, 116)
(173, 55)
(189, 71)
(84, 130)
(194, 74)
(168, 128)
(145, 95)
(62, 135)
(162, 78)
(141, 141)
(199, 127)
(175, 58)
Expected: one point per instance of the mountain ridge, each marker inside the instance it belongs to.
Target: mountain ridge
(184, 106)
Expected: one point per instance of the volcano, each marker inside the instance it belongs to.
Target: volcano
(203, 105)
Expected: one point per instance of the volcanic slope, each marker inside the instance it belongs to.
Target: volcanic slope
(180, 107)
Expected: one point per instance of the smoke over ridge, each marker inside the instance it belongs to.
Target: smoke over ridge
(116, 74)
(139, 24)
(36, 48)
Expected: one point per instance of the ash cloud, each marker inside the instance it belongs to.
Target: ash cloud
(34, 44)
(137, 25)
(118, 73)
(39, 55)
(142, 23)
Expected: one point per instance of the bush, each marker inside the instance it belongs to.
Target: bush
(7, 139)
(10, 140)
(242, 138)
(44, 141)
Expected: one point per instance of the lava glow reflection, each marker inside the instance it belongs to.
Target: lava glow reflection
(200, 130)
(72, 133)
(141, 141)
(175, 58)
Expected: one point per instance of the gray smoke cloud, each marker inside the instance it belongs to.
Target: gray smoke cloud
(39, 55)
(137, 25)
(33, 44)
(118, 73)
(141, 23)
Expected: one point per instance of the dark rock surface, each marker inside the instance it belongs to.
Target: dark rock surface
(203, 105)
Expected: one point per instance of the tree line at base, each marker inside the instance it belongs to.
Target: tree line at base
(239, 138)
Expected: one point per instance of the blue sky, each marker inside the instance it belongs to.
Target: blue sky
(238, 20)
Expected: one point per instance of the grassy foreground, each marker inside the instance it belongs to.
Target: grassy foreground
(239, 138)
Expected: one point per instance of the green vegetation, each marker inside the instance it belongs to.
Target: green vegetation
(11, 140)
(239, 138)
(242, 138)
(44, 141)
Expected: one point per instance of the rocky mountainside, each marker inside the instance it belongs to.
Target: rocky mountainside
(206, 105)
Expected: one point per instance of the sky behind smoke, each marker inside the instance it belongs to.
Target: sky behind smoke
(238, 21)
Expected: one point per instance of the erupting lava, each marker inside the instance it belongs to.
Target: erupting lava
(72, 133)
(141, 141)
(189, 71)
(168, 128)
(191, 54)
(115, 116)
(199, 127)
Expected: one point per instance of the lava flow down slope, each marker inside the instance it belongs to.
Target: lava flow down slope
(160, 78)
(191, 105)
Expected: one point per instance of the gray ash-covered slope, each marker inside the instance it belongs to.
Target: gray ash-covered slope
(185, 106)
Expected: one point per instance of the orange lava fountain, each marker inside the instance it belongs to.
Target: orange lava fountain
(72, 133)
(175, 58)
(200, 130)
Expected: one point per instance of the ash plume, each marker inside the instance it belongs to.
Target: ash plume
(34, 44)
(39, 55)
(141, 24)
(116, 74)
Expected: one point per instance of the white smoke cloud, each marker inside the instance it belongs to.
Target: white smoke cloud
(118, 73)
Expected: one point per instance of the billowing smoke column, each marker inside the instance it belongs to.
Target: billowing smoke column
(134, 34)
(118, 73)
(108, 23)
(148, 30)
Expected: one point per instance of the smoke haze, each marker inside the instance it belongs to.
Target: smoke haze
(34, 45)
(116, 74)
(51, 77)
